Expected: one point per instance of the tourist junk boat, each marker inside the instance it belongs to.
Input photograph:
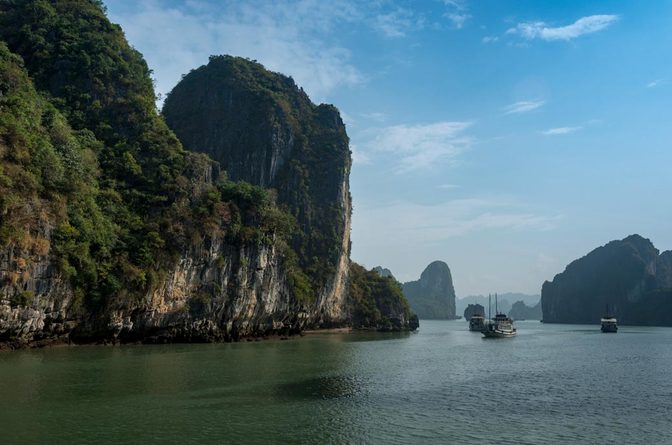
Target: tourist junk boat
(608, 323)
(476, 323)
(499, 327)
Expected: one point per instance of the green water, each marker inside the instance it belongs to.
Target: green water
(551, 384)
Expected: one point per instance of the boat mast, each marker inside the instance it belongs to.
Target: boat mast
(489, 306)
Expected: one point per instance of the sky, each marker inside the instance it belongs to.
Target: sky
(506, 138)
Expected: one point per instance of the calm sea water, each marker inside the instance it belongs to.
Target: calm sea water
(551, 384)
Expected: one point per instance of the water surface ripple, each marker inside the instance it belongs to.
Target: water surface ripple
(551, 384)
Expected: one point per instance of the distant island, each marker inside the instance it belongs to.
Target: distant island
(505, 302)
(628, 278)
(433, 295)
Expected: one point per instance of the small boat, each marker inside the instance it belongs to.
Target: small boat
(608, 324)
(476, 323)
(499, 327)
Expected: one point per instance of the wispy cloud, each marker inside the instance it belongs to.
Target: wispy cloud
(375, 116)
(357, 156)
(559, 131)
(458, 19)
(416, 147)
(457, 13)
(454, 218)
(489, 39)
(524, 106)
(297, 41)
(398, 23)
(583, 26)
(447, 186)
(655, 83)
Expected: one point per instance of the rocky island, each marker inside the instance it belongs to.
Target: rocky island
(629, 278)
(228, 218)
(433, 295)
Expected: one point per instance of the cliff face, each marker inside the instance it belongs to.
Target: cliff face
(628, 277)
(111, 231)
(433, 295)
(217, 292)
(263, 129)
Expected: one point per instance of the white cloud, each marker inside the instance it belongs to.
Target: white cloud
(375, 116)
(656, 83)
(489, 39)
(398, 22)
(357, 156)
(583, 26)
(458, 19)
(418, 147)
(457, 13)
(559, 130)
(524, 106)
(417, 223)
(294, 41)
(447, 186)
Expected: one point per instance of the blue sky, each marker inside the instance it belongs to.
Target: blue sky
(506, 138)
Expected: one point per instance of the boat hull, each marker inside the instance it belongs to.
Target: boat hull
(498, 334)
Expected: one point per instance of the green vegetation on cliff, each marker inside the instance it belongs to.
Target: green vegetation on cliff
(263, 129)
(97, 189)
(378, 301)
(89, 156)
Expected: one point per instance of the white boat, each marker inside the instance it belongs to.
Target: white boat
(499, 327)
(608, 324)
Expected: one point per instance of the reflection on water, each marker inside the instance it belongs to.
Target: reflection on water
(550, 384)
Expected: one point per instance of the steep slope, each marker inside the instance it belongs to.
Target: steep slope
(111, 231)
(263, 129)
(63, 262)
(433, 295)
(628, 277)
(378, 301)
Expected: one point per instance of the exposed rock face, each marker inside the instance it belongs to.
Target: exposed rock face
(264, 130)
(218, 292)
(627, 277)
(199, 273)
(383, 272)
(521, 311)
(473, 309)
(433, 295)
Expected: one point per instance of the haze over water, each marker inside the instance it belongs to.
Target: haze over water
(551, 384)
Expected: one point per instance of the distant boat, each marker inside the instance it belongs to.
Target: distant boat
(499, 327)
(608, 324)
(476, 323)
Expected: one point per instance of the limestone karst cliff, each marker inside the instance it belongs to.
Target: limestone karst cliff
(433, 295)
(628, 278)
(111, 231)
(263, 129)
